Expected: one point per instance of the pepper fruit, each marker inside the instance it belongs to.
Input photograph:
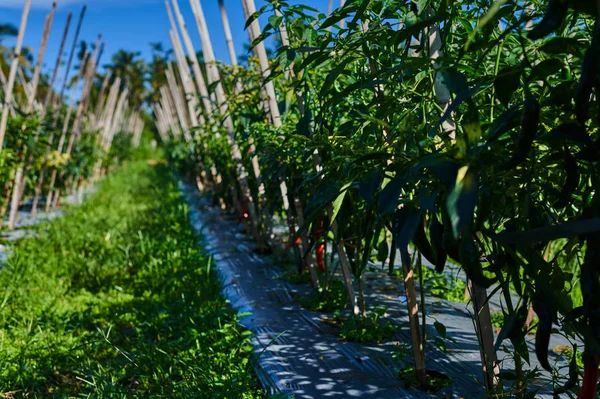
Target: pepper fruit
(571, 183)
(530, 121)
(543, 333)
(554, 16)
(590, 377)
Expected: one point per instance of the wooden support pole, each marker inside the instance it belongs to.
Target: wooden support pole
(214, 78)
(58, 59)
(13, 72)
(73, 48)
(193, 57)
(41, 54)
(178, 102)
(184, 70)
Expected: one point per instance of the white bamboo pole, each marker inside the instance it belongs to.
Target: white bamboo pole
(13, 71)
(261, 53)
(184, 69)
(200, 81)
(89, 74)
(442, 94)
(186, 81)
(214, 77)
(228, 35)
(169, 110)
(178, 101)
(330, 8)
(101, 100)
(22, 170)
(87, 86)
(41, 54)
(27, 88)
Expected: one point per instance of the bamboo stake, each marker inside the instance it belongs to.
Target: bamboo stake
(87, 85)
(343, 21)
(214, 77)
(261, 53)
(413, 317)
(193, 57)
(442, 94)
(186, 82)
(21, 173)
(100, 102)
(25, 84)
(81, 111)
(478, 294)
(41, 54)
(184, 69)
(255, 161)
(228, 36)
(58, 59)
(307, 256)
(3, 80)
(178, 101)
(13, 72)
(330, 8)
(73, 47)
(169, 109)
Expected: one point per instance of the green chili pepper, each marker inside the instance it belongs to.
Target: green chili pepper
(529, 126)
(436, 234)
(543, 333)
(571, 183)
(553, 18)
(585, 85)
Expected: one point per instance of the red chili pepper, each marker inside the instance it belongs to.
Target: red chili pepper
(590, 379)
(244, 212)
(294, 244)
(320, 252)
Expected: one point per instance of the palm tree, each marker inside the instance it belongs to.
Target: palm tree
(7, 30)
(133, 72)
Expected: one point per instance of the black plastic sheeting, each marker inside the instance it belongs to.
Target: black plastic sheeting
(299, 355)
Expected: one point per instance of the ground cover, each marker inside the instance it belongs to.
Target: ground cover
(117, 300)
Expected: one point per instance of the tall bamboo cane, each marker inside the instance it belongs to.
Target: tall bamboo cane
(307, 256)
(214, 78)
(58, 60)
(41, 54)
(184, 70)
(73, 47)
(178, 101)
(90, 69)
(200, 80)
(22, 172)
(478, 294)
(13, 71)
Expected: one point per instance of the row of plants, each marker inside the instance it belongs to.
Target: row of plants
(437, 129)
(58, 133)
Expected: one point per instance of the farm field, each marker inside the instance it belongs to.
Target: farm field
(300, 198)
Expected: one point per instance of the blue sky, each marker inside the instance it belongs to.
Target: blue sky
(130, 24)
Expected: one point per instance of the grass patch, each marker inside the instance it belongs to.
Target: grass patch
(116, 300)
(436, 379)
(370, 329)
(295, 278)
(326, 300)
(441, 286)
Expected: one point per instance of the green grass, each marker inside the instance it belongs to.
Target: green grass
(326, 300)
(116, 300)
